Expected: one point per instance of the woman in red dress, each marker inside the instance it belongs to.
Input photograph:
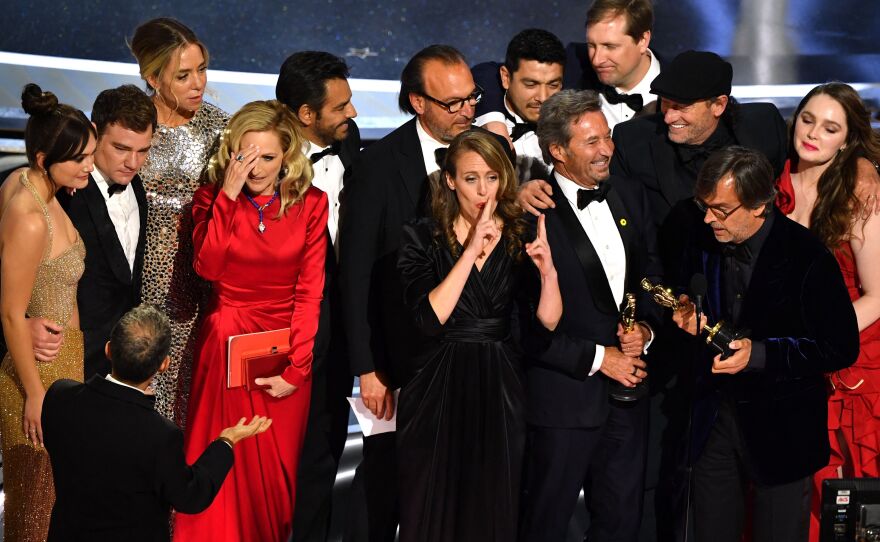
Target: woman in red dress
(829, 185)
(260, 239)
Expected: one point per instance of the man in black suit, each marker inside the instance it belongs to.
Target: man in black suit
(388, 188)
(602, 239)
(117, 464)
(760, 419)
(110, 214)
(314, 85)
(697, 116)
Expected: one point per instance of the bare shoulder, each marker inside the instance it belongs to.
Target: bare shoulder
(867, 179)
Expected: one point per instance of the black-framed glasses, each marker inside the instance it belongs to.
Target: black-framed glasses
(454, 106)
(720, 214)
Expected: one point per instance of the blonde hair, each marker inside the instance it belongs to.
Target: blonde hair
(264, 116)
(154, 45)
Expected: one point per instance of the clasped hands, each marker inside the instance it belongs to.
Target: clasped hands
(624, 364)
(685, 319)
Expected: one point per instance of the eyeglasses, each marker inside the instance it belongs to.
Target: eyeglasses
(720, 214)
(454, 106)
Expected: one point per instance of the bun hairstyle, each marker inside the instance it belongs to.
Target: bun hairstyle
(57, 130)
(36, 102)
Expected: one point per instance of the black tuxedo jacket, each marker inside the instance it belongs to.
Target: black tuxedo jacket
(108, 288)
(388, 188)
(330, 339)
(119, 466)
(797, 305)
(561, 394)
(644, 153)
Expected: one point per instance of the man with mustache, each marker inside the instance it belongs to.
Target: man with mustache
(314, 85)
(531, 73)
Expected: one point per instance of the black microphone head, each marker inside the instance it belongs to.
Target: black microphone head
(699, 286)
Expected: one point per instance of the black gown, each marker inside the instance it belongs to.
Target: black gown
(461, 419)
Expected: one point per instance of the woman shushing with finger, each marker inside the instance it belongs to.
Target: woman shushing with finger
(468, 281)
(260, 239)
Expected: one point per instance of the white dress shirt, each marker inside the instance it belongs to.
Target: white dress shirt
(599, 225)
(617, 113)
(123, 384)
(328, 178)
(123, 211)
(528, 150)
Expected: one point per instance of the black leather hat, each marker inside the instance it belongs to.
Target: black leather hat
(693, 76)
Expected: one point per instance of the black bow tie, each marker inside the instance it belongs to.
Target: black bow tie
(597, 194)
(522, 128)
(113, 188)
(440, 156)
(331, 150)
(633, 101)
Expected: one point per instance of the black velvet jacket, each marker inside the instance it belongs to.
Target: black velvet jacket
(797, 306)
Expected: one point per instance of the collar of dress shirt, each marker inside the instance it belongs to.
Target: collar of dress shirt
(101, 181)
(311, 148)
(643, 87)
(570, 188)
(428, 145)
(111, 379)
(516, 118)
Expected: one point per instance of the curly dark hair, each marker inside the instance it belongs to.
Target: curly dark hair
(837, 202)
(444, 202)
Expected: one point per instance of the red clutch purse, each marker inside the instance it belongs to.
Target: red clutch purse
(263, 366)
(256, 355)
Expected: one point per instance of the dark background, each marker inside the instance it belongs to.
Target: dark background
(769, 41)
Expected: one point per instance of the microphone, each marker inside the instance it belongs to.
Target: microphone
(699, 286)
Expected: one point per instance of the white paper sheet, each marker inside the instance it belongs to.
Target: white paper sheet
(370, 425)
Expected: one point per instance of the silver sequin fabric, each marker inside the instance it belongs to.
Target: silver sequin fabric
(171, 176)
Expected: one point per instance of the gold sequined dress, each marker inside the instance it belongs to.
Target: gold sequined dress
(171, 175)
(27, 473)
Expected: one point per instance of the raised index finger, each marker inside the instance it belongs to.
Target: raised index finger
(487, 211)
(542, 227)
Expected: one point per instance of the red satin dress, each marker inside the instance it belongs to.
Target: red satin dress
(854, 401)
(261, 282)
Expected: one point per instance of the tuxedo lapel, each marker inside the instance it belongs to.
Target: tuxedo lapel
(107, 237)
(591, 266)
(411, 164)
(141, 196)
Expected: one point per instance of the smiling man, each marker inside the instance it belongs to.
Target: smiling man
(110, 215)
(603, 242)
(665, 151)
